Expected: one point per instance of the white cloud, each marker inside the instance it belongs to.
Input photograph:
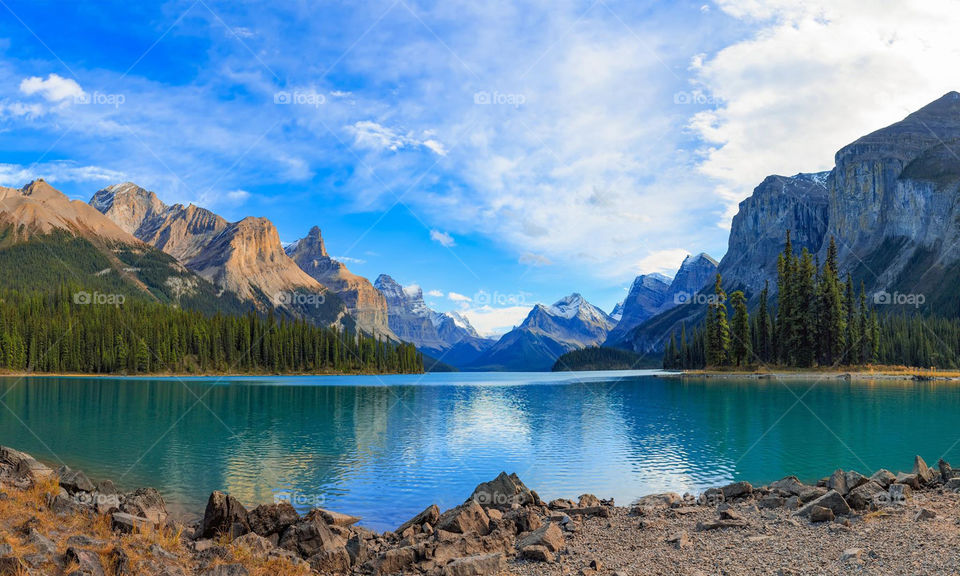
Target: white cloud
(16, 175)
(411, 289)
(814, 77)
(663, 261)
(238, 195)
(54, 89)
(435, 293)
(349, 260)
(457, 297)
(490, 321)
(442, 238)
(374, 136)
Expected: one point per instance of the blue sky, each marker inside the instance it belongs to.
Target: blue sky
(496, 155)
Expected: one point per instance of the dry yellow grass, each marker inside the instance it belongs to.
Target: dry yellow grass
(30, 508)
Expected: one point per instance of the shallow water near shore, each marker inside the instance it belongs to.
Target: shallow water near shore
(386, 447)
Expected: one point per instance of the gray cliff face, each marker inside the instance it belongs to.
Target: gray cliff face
(651, 294)
(645, 300)
(446, 336)
(695, 272)
(898, 187)
(799, 203)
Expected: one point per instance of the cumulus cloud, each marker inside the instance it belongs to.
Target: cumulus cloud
(435, 293)
(54, 89)
(813, 77)
(442, 238)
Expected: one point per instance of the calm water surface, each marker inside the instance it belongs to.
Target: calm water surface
(386, 447)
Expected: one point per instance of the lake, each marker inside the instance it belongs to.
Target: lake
(386, 447)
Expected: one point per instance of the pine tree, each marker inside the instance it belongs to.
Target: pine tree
(764, 328)
(718, 346)
(740, 345)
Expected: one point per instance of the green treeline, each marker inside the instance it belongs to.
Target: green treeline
(821, 319)
(69, 330)
(601, 358)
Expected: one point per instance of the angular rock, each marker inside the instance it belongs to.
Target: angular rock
(537, 554)
(679, 539)
(838, 481)
(737, 490)
(74, 480)
(853, 479)
(482, 565)
(789, 485)
(884, 478)
(335, 518)
(147, 503)
(864, 496)
(655, 501)
(588, 501)
(946, 471)
(561, 504)
(548, 535)
(309, 537)
(503, 492)
(599, 511)
(924, 514)
(396, 560)
(921, 470)
(952, 485)
(87, 562)
(224, 515)
(269, 519)
(771, 501)
(832, 500)
(357, 549)
(25, 464)
(430, 515)
(821, 514)
(465, 518)
(256, 545)
(333, 561)
(911, 480)
(525, 519)
(129, 524)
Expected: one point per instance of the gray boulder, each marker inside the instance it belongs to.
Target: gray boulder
(224, 515)
(832, 500)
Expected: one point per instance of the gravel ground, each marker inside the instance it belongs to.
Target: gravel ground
(774, 542)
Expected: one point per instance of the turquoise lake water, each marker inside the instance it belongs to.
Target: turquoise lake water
(386, 447)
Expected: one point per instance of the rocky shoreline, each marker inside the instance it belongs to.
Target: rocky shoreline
(812, 375)
(60, 522)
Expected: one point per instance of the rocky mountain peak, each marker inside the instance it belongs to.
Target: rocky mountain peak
(310, 246)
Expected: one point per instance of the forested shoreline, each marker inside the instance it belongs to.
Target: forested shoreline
(819, 320)
(56, 332)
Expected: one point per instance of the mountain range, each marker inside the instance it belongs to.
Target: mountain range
(890, 202)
